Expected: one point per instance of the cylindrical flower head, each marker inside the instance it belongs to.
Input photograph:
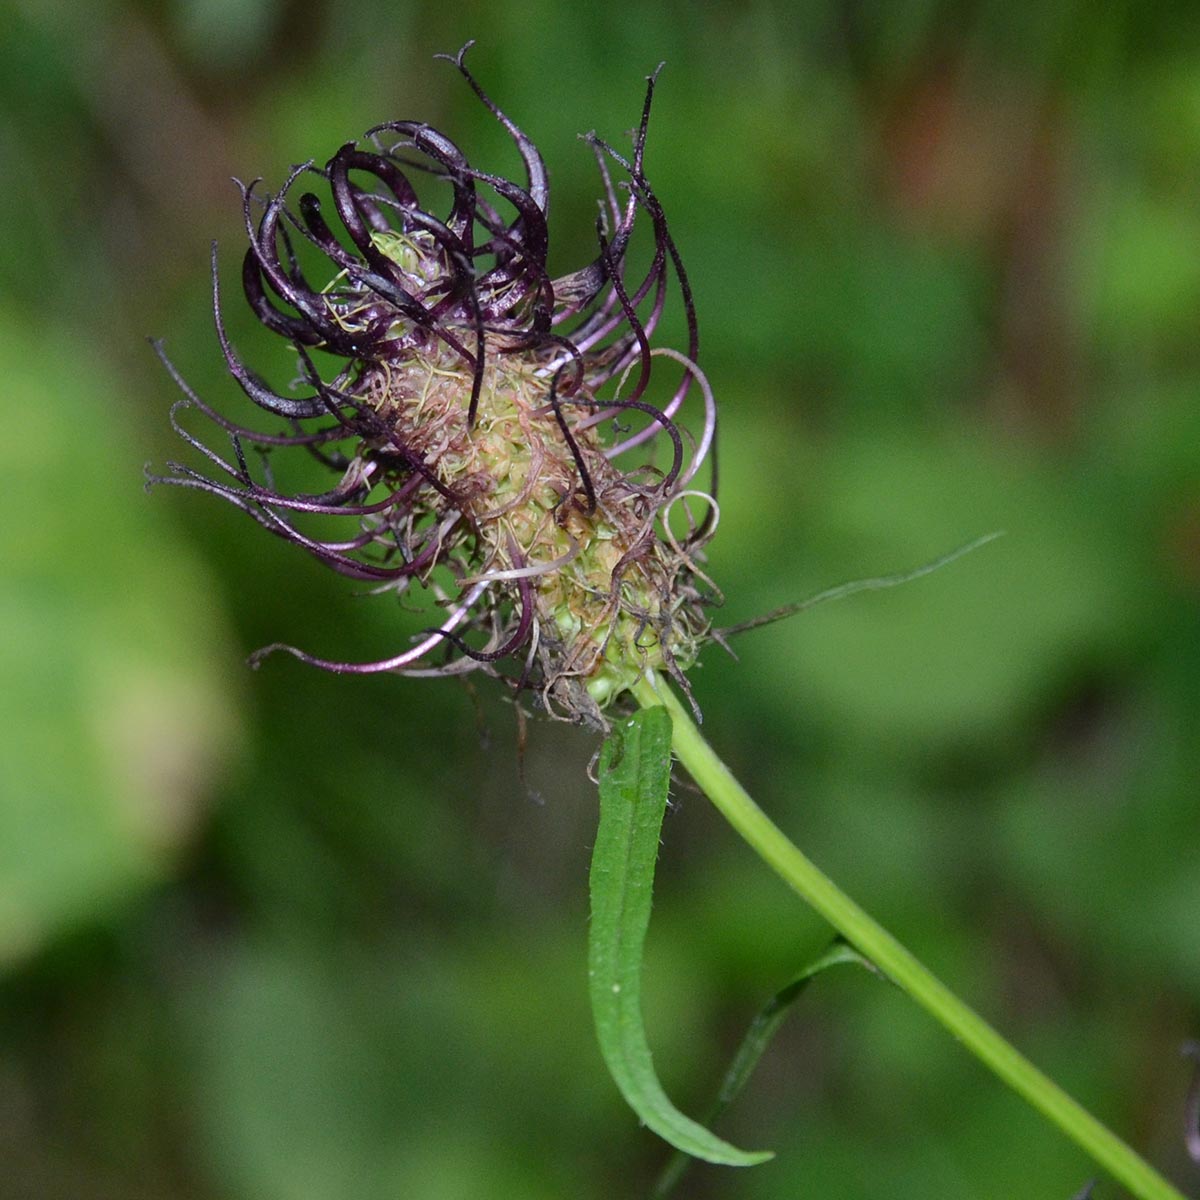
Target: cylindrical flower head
(498, 448)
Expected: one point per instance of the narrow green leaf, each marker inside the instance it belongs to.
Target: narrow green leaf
(877, 583)
(758, 1036)
(770, 1017)
(635, 769)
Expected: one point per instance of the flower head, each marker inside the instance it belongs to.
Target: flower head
(505, 447)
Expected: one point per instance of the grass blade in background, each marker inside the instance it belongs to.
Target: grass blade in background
(635, 770)
(758, 1037)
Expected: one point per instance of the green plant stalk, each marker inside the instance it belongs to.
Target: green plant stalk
(873, 941)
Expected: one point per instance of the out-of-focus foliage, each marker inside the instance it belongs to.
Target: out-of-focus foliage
(281, 935)
(115, 709)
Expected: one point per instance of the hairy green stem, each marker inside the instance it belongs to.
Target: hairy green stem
(873, 941)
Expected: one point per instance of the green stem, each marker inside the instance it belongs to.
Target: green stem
(872, 940)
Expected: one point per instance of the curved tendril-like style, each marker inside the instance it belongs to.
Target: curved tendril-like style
(469, 407)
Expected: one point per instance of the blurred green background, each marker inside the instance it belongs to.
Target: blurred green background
(281, 936)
